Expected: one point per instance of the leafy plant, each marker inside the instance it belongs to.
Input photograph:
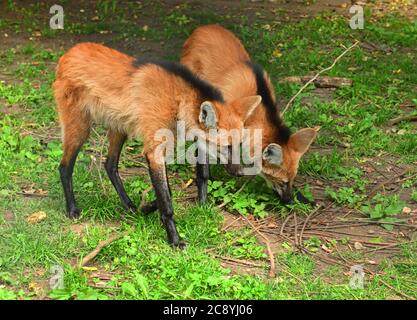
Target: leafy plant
(344, 195)
(414, 195)
(384, 208)
(243, 202)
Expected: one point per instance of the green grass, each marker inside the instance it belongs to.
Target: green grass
(141, 264)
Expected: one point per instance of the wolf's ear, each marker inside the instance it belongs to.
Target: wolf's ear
(208, 116)
(273, 154)
(302, 139)
(246, 106)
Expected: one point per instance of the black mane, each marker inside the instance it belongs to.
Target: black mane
(269, 103)
(207, 91)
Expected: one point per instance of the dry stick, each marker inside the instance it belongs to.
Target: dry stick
(99, 247)
(374, 190)
(344, 265)
(372, 222)
(393, 289)
(244, 262)
(281, 232)
(382, 281)
(407, 178)
(296, 230)
(318, 74)
(320, 82)
(183, 199)
(326, 236)
(332, 232)
(272, 271)
(407, 117)
(390, 246)
(366, 269)
(35, 195)
(235, 240)
(290, 274)
(306, 221)
(229, 225)
(373, 273)
(144, 193)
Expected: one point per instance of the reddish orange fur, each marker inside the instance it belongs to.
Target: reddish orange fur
(98, 84)
(218, 56)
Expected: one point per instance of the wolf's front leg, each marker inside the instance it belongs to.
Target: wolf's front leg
(160, 184)
(203, 175)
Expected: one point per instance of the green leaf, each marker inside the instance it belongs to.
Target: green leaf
(60, 294)
(129, 289)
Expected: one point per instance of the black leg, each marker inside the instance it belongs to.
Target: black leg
(149, 207)
(203, 175)
(116, 144)
(66, 169)
(163, 200)
(301, 198)
(233, 169)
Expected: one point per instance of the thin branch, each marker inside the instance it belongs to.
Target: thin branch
(407, 117)
(272, 271)
(244, 262)
(281, 232)
(306, 221)
(144, 194)
(317, 75)
(87, 259)
(390, 180)
(320, 82)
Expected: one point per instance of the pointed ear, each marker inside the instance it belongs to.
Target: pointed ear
(247, 105)
(302, 139)
(208, 115)
(273, 154)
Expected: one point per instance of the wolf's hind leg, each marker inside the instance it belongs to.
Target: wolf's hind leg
(117, 140)
(75, 124)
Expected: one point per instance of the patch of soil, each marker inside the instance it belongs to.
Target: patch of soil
(79, 228)
(9, 216)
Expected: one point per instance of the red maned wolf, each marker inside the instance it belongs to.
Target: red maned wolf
(217, 55)
(96, 84)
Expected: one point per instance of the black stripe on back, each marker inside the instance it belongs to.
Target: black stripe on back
(284, 132)
(206, 90)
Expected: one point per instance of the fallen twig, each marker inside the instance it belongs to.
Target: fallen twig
(394, 289)
(144, 194)
(34, 195)
(390, 246)
(244, 262)
(318, 74)
(87, 259)
(306, 221)
(272, 271)
(407, 117)
(295, 230)
(281, 232)
(390, 180)
(320, 82)
(232, 242)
